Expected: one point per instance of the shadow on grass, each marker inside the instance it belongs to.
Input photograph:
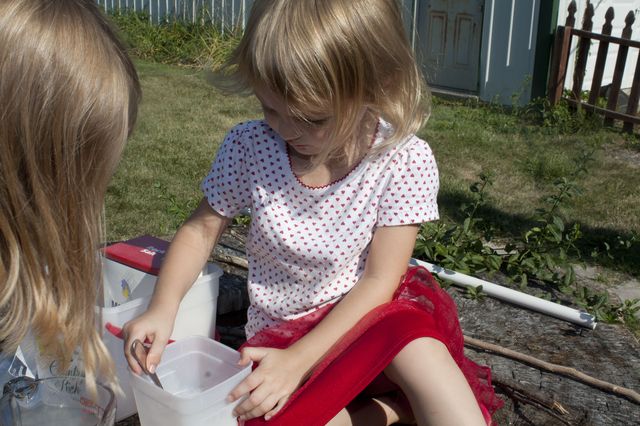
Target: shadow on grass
(514, 226)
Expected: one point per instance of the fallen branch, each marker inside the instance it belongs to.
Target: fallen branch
(555, 368)
(232, 260)
(235, 234)
(554, 408)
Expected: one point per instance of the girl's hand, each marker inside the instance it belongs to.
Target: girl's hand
(153, 325)
(279, 374)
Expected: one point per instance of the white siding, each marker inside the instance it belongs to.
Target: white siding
(621, 8)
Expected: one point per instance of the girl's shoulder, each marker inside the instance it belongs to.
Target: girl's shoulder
(244, 129)
(252, 138)
(412, 148)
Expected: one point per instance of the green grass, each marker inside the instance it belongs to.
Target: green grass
(525, 158)
(181, 123)
(183, 119)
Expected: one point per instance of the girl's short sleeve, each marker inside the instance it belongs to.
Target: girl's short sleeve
(227, 184)
(410, 196)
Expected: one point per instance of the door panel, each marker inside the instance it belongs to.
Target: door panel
(463, 55)
(437, 35)
(449, 36)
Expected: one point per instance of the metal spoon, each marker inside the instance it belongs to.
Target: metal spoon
(139, 352)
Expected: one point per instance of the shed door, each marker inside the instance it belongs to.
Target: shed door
(449, 39)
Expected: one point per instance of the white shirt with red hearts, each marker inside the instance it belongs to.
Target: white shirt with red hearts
(307, 246)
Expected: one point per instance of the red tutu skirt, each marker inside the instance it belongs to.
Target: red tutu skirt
(420, 308)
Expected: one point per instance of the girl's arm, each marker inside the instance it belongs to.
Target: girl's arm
(281, 372)
(187, 255)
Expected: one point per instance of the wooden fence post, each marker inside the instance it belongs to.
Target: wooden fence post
(571, 18)
(634, 96)
(560, 57)
(601, 60)
(621, 61)
(583, 51)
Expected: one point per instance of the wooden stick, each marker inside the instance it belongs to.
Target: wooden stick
(553, 408)
(240, 238)
(555, 368)
(232, 260)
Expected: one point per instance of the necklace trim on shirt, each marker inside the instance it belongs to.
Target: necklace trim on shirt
(346, 175)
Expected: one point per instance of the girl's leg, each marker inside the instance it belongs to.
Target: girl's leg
(436, 388)
(375, 411)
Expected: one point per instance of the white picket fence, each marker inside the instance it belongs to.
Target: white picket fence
(228, 14)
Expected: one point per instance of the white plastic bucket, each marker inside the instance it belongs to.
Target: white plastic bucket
(196, 316)
(197, 375)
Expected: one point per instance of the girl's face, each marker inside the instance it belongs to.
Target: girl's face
(306, 137)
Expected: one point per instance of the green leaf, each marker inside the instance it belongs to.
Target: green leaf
(442, 250)
(549, 262)
(555, 233)
(494, 262)
(528, 263)
(559, 223)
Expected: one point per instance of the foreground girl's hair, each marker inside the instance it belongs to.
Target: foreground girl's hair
(68, 99)
(334, 55)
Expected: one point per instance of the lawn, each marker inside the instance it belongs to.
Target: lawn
(183, 120)
(181, 123)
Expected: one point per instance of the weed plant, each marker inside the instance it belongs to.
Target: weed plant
(544, 255)
(199, 45)
(529, 149)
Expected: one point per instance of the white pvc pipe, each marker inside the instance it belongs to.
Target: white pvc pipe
(581, 318)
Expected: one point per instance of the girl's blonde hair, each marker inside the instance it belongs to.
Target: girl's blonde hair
(68, 100)
(334, 56)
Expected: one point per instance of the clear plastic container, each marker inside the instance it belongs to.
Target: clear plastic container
(56, 401)
(197, 375)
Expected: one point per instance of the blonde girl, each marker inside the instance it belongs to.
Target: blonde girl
(338, 185)
(68, 100)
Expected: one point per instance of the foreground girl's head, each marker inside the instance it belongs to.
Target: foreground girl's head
(68, 100)
(334, 57)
